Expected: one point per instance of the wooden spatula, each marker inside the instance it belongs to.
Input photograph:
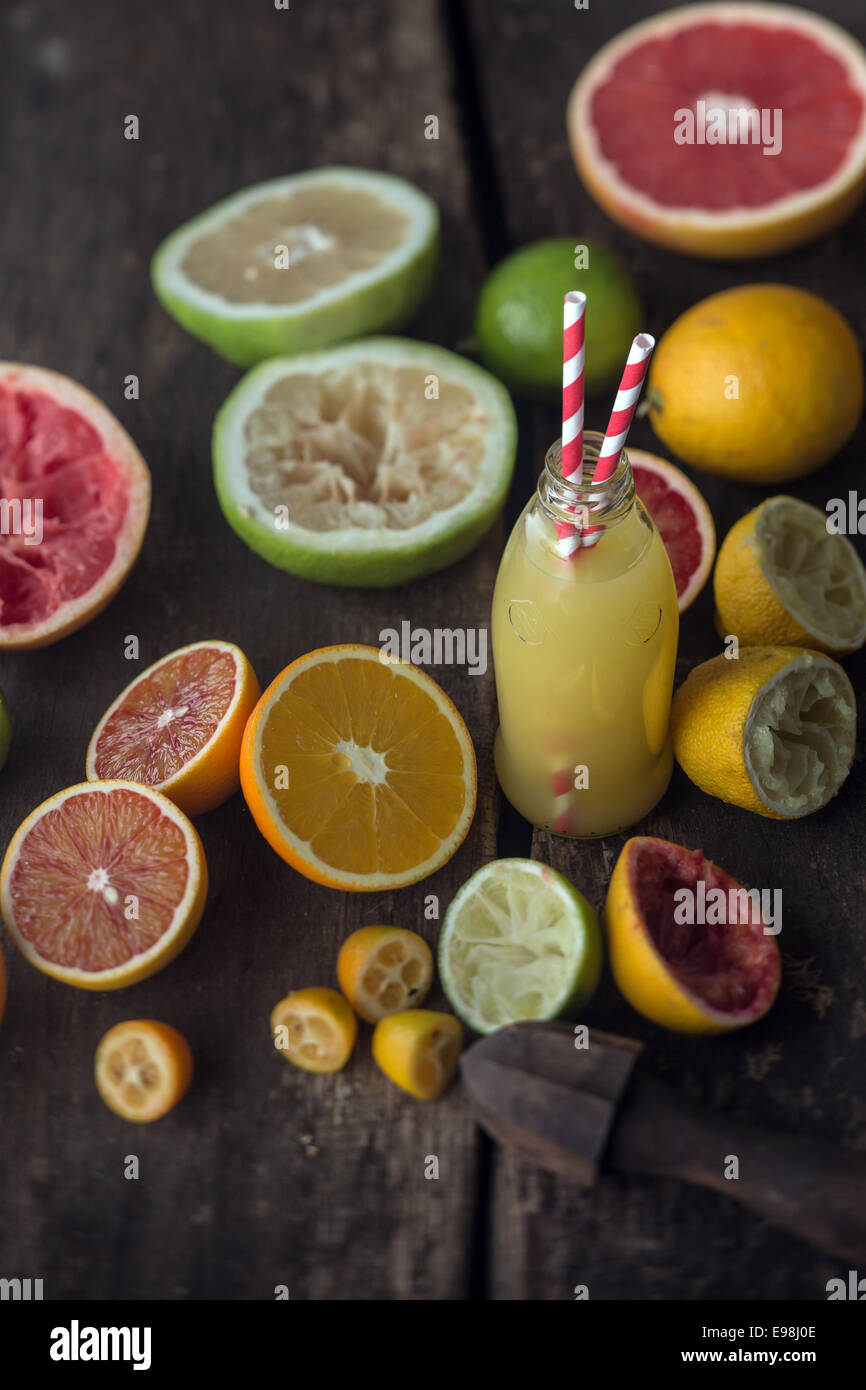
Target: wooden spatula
(580, 1110)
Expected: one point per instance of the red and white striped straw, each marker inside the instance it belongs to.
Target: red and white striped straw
(636, 367)
(573, 358)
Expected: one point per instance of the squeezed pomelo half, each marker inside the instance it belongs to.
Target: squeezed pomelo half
(682, 519)
(692, 977)
(368, 464)
(74, 503)
(178, 726)
(359, 771)
(729, 199)
(103, 884)
(300, 262)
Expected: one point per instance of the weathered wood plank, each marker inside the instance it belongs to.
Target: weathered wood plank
(232, 1200)
(802, 1067)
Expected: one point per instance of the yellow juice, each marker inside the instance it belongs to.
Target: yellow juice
(584, 649)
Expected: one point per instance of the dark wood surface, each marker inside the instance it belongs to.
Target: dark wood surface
(232, 1201)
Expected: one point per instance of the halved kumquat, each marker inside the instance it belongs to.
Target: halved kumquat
(143, 1068)
(383, 970)
(314, 1029)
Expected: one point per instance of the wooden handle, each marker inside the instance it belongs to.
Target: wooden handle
(811, 1188)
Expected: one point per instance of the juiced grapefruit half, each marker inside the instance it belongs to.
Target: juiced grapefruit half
(728, 199)
(103, 884)
(74, 503)
(682, 519)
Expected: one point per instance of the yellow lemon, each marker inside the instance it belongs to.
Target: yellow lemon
(760, 384)
(771, 731)
(782, 578)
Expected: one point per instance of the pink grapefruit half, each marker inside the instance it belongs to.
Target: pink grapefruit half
(74, 503)
(103, 884)
(724, 200)
(682, 519)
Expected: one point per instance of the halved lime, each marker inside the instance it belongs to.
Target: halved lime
(300, 262)
(5, 729)
(518, 942)
(368, 464)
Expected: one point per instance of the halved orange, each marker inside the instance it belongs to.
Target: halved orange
(178, 726)
(103, 884)
(358, 770)
(142, 1069)
(383, 970)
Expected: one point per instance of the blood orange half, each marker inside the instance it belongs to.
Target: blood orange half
(74, 503)
(700, 71)
(103, 884)
(682, 519)
(178, 726)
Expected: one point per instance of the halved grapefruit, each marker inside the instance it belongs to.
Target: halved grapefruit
(74, 503)
(730, 199)
(682, 519)
(103, 884)
(178, 726)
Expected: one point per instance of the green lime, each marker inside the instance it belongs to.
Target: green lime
(518, 320)
(300, 262)
(5, 729)
(368, 464)
(518, 942)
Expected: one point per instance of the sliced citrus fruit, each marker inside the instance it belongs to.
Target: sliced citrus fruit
(358, 770)
(383, 970)
(103, 884)
(178, 726)
(300, 262)
(645, 117)
(761, 384)
(369, 464)
(418, 1050)
(682, 519)
(75, 498)
(143, 1068)
(5, 729)
(681, 971)
(518, 942)
(314, 1029)
(772, 730)
(781, 577)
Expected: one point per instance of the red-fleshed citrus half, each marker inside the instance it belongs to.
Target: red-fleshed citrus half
(682, 519)
(103, 884)
(178, 726)
(785, 88)
(74, 503)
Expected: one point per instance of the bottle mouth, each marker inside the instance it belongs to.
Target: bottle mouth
(592, 443)
(607, 500)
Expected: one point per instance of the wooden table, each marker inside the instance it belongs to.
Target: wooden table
(264, 1176)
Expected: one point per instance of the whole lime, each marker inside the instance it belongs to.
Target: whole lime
(5, 729)
(518, 320)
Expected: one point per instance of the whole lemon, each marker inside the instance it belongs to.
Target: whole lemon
(761, 384)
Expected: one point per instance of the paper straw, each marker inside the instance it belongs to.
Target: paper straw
(573, 357)
(636, 367)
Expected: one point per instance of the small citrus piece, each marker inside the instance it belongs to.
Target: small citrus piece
(418, 1050)
(518, 320)
(143, 1068)
(103, 884)
(314, 1029)
(299, 262)
(682, 519)
(782, 578)
(692, 977)
(383, 970)
(518, 942)
(358, 770)
(368, 464)
(772, 731)
(761, 384)
(178, 726)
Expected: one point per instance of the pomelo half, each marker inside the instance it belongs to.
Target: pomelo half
(728, 200)
(74, 503)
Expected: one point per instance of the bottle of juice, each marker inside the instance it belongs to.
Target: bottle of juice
(584, 649)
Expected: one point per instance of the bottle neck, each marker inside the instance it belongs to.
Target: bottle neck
(601, 505)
